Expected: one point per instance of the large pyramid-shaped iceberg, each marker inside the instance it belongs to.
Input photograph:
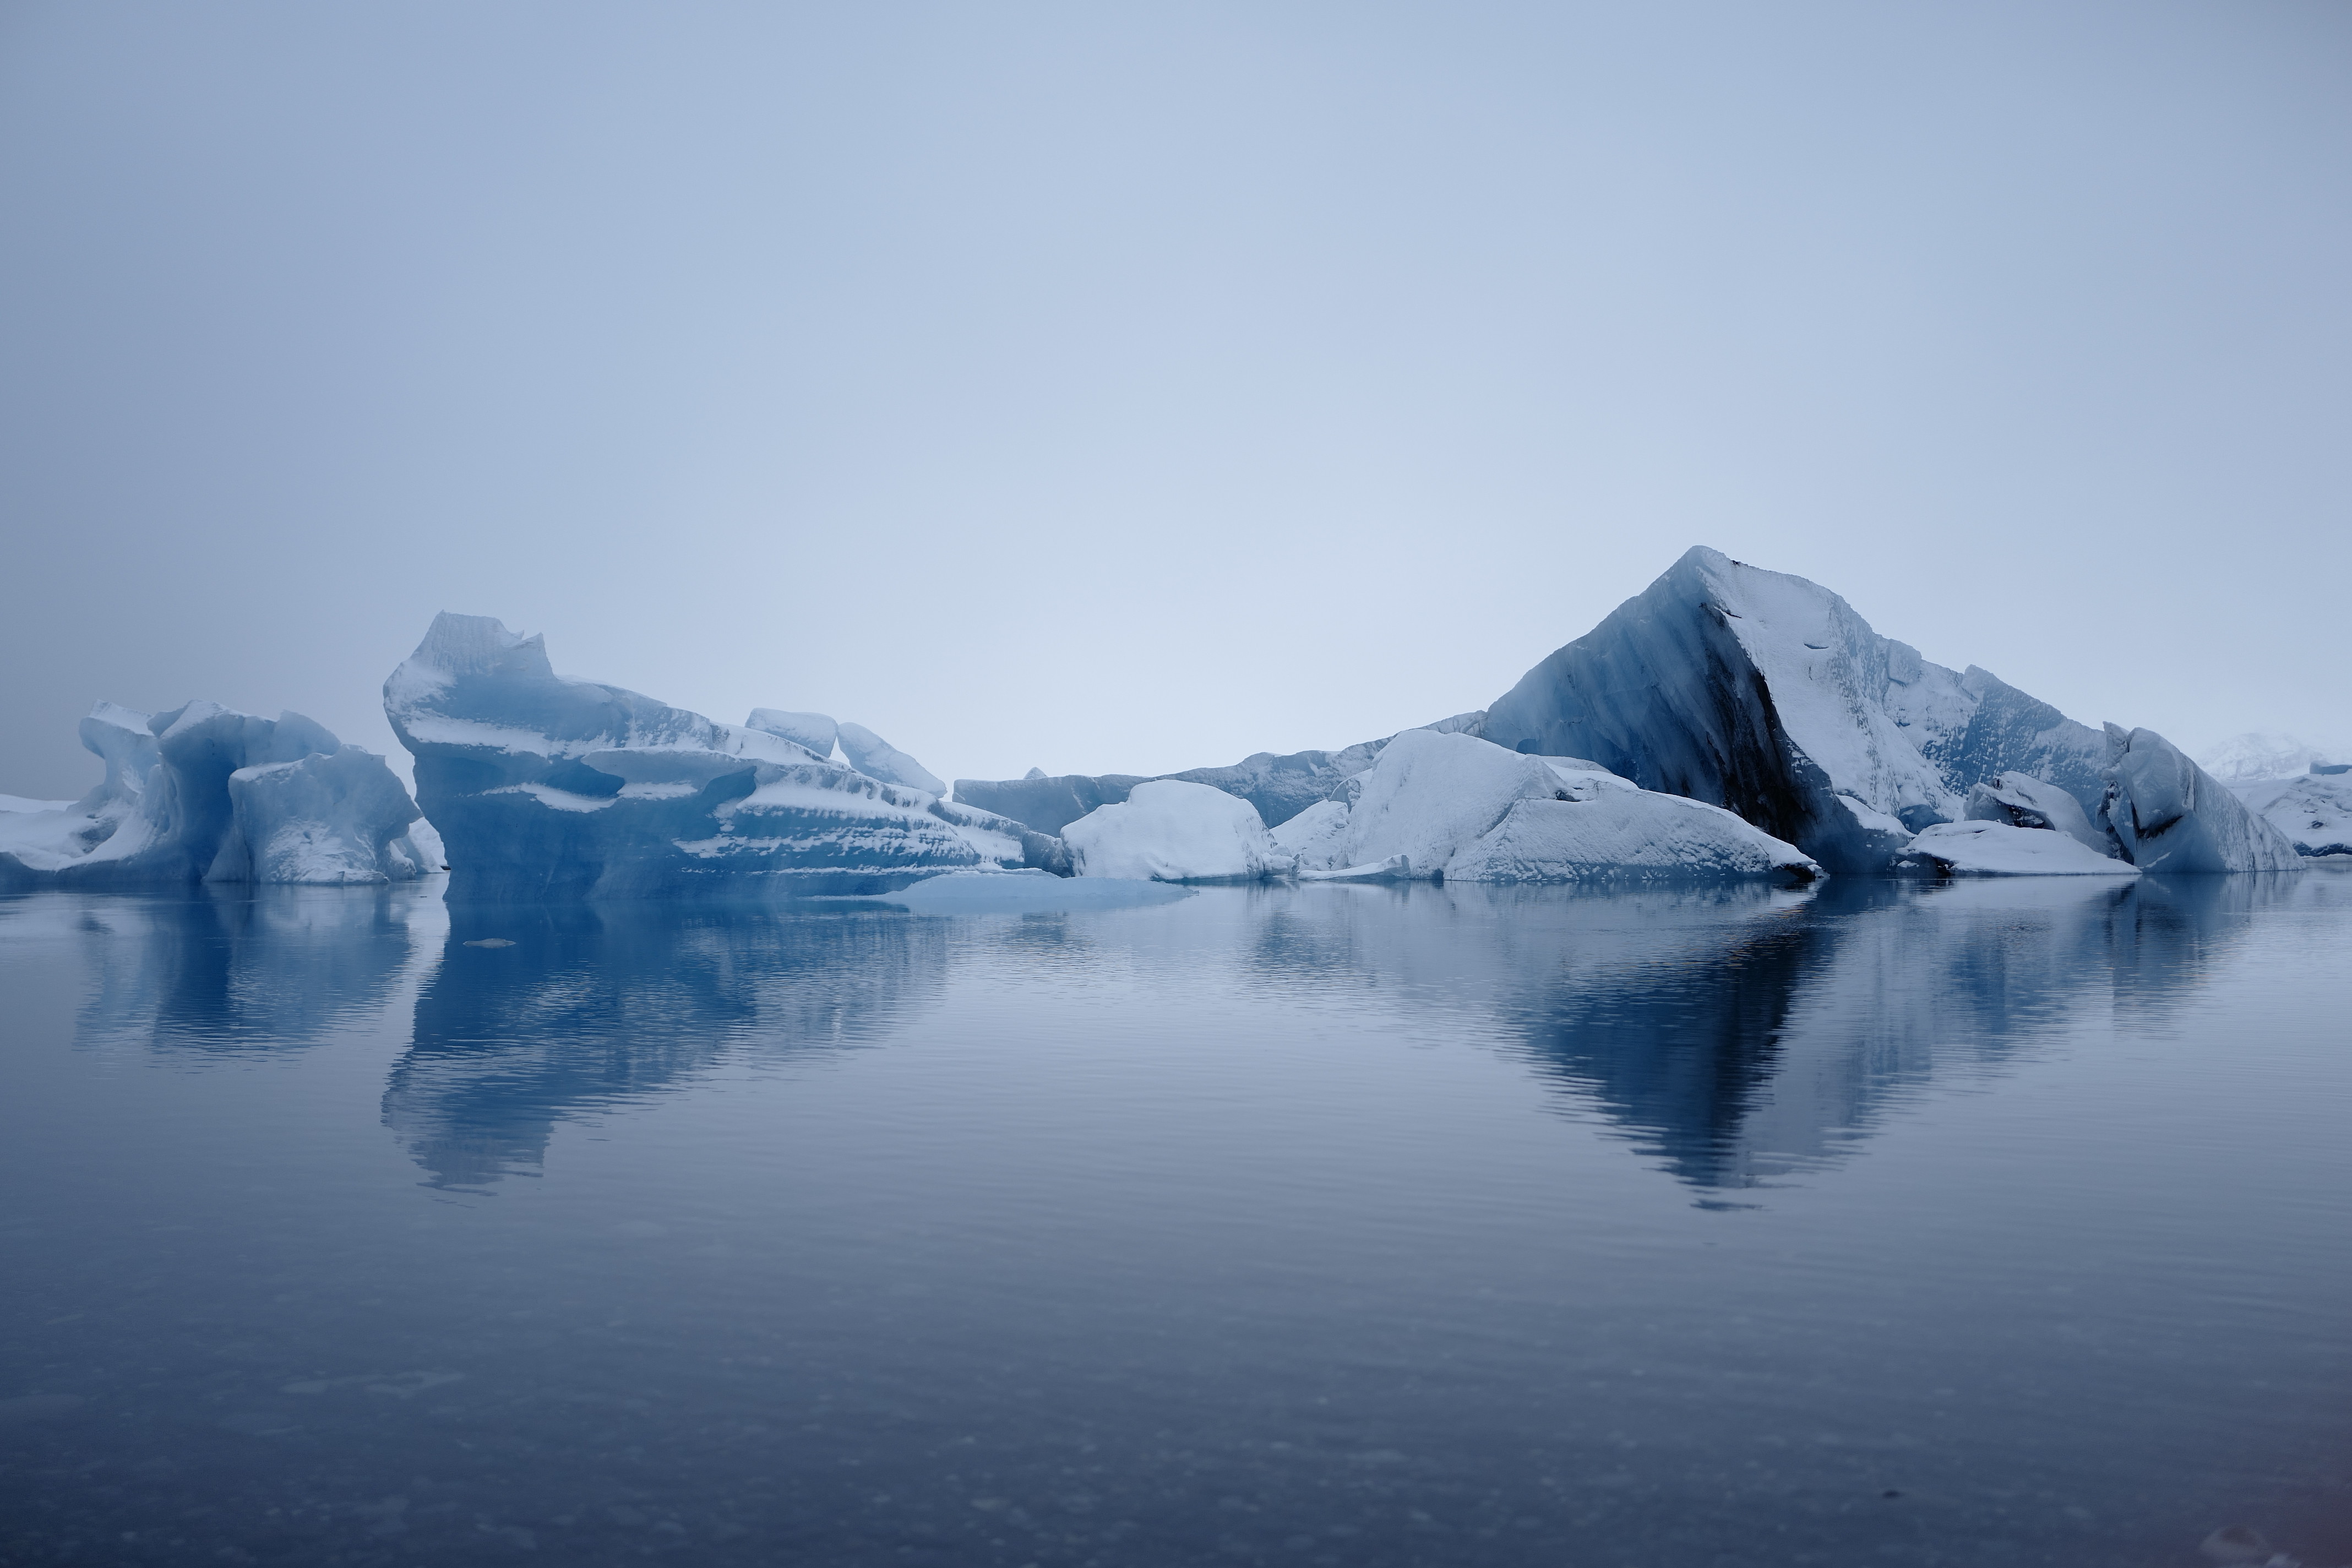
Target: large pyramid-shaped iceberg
(1769, 695)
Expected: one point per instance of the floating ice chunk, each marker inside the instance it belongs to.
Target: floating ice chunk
(2313, 811)
(1985, 848)
(546, 787)
(2020, 800)
(1317, 837)
(813, 730)
(1169, 831)
(1281, 788)
(1431, 796)
(877, 758)
(1395, 869)
(206, 794)
(1453, 806)
(2171, 815)
(337, 820)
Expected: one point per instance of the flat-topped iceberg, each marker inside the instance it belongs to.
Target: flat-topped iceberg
(1769, 695)
(1168, 830)
(1982, 848)
(2020, 800)
(1453, 807)
(204, 793)
(544, 787)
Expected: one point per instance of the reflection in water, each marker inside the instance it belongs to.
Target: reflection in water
(1738, 1033)
(590, 1007)
(1734, 1033)
(255, 969)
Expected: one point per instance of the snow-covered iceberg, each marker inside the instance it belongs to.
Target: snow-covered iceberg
(1451, 806)
(2020, 800)
(547, 787)
(877, 758)
(1979, 847)
(2170, 816)
(1279, 786)
(2312, 810)
(1769, 695)
(1169, 830)
(204, 793)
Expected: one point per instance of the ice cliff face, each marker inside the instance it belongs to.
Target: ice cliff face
(1769, 695)
(204, 794)
(2171, 815)
(544, 787)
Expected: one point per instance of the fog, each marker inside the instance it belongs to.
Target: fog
(1137, 388)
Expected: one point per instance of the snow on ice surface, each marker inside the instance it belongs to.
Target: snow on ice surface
(1982, 848)
(1315, 838)
(2020, 800)
(1168, 830)
(1769, 694)
(2312, 811)
(2264, 754)
(547, 787)
(877, 758)
(815, 730)
(1280, 786)
(2171, 815)
(1451, 805)
(207, 793)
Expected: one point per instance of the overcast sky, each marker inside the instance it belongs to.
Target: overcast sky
(1136, 387)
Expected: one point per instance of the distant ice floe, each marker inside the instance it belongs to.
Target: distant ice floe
(204, 793)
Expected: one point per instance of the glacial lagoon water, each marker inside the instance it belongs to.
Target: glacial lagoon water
(1991, 1224)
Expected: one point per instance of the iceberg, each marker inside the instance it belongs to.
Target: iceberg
(1980, 847)
(2261, 754)
(877, 758)
(2020, 800)
(1770, 696)
(1453, 807)
(815, 732)
(1279, 786)
(1170, 830)
(545, 787)
(2313, 811)
(2170, 816)
(206, 793)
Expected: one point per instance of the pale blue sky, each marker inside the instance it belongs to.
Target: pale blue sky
(1123, 387)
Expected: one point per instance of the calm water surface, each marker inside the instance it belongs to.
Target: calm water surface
(1977, 1225)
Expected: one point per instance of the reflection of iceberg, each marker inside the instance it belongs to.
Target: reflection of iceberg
(264, 969)
(592, 1007)
(1737, 1032)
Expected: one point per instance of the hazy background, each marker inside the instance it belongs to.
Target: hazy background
(1137, 387)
